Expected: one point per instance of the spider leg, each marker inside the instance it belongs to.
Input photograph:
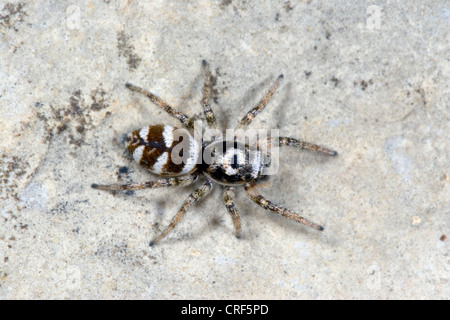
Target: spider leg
(260, 106)
(254, 195)
(210, 117)
(184, 119)
(193, 198)
(291, 142)
(228, 195)
(168, 182)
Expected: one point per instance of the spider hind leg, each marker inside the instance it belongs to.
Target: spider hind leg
(254, 195)
(169, 182)
(228, 196)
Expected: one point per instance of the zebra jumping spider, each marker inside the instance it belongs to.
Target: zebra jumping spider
(153, 147)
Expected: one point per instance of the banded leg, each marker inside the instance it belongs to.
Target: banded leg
(228, 195)
(169, 182)
(193, 198)
(254, 195)
(210, 117)
(291, 142)
(260, 106)
(184, 119)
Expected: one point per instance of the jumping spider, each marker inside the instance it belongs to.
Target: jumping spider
(152, 148)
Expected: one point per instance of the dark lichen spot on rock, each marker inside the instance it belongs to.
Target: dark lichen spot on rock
(335, 81)
(364, 84)
(225, 3)
(80, 129)
(60, 128)
(277, 17)
(75, 103)
(11, 14)
(12, 171)
(126, 49)
(98, 99)
(74, 119)
(287, 6)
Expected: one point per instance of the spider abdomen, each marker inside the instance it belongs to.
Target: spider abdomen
(163, 149)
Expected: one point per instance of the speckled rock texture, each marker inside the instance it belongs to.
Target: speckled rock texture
(370, 80)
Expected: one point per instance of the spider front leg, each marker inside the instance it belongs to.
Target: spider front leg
(168, 182)
(209, 114)
(193, 198)
(291, 142)
(228, 196)
(254, 195)
(248, 118)
(184, 119)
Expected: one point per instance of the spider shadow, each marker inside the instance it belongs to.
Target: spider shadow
(250, 99)
(280, 117)
(193, 94)
(190, 229)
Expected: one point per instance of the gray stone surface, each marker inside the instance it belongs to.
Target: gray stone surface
(371, 82)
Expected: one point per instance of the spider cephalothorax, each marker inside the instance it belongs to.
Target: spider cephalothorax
(175, 153)
(235, 163)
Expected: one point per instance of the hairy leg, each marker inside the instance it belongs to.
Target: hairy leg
(228, 195)
(248, 118)
(210, 117)
(184, 119)
(167, 182)
(254, 195)
(291, 142)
